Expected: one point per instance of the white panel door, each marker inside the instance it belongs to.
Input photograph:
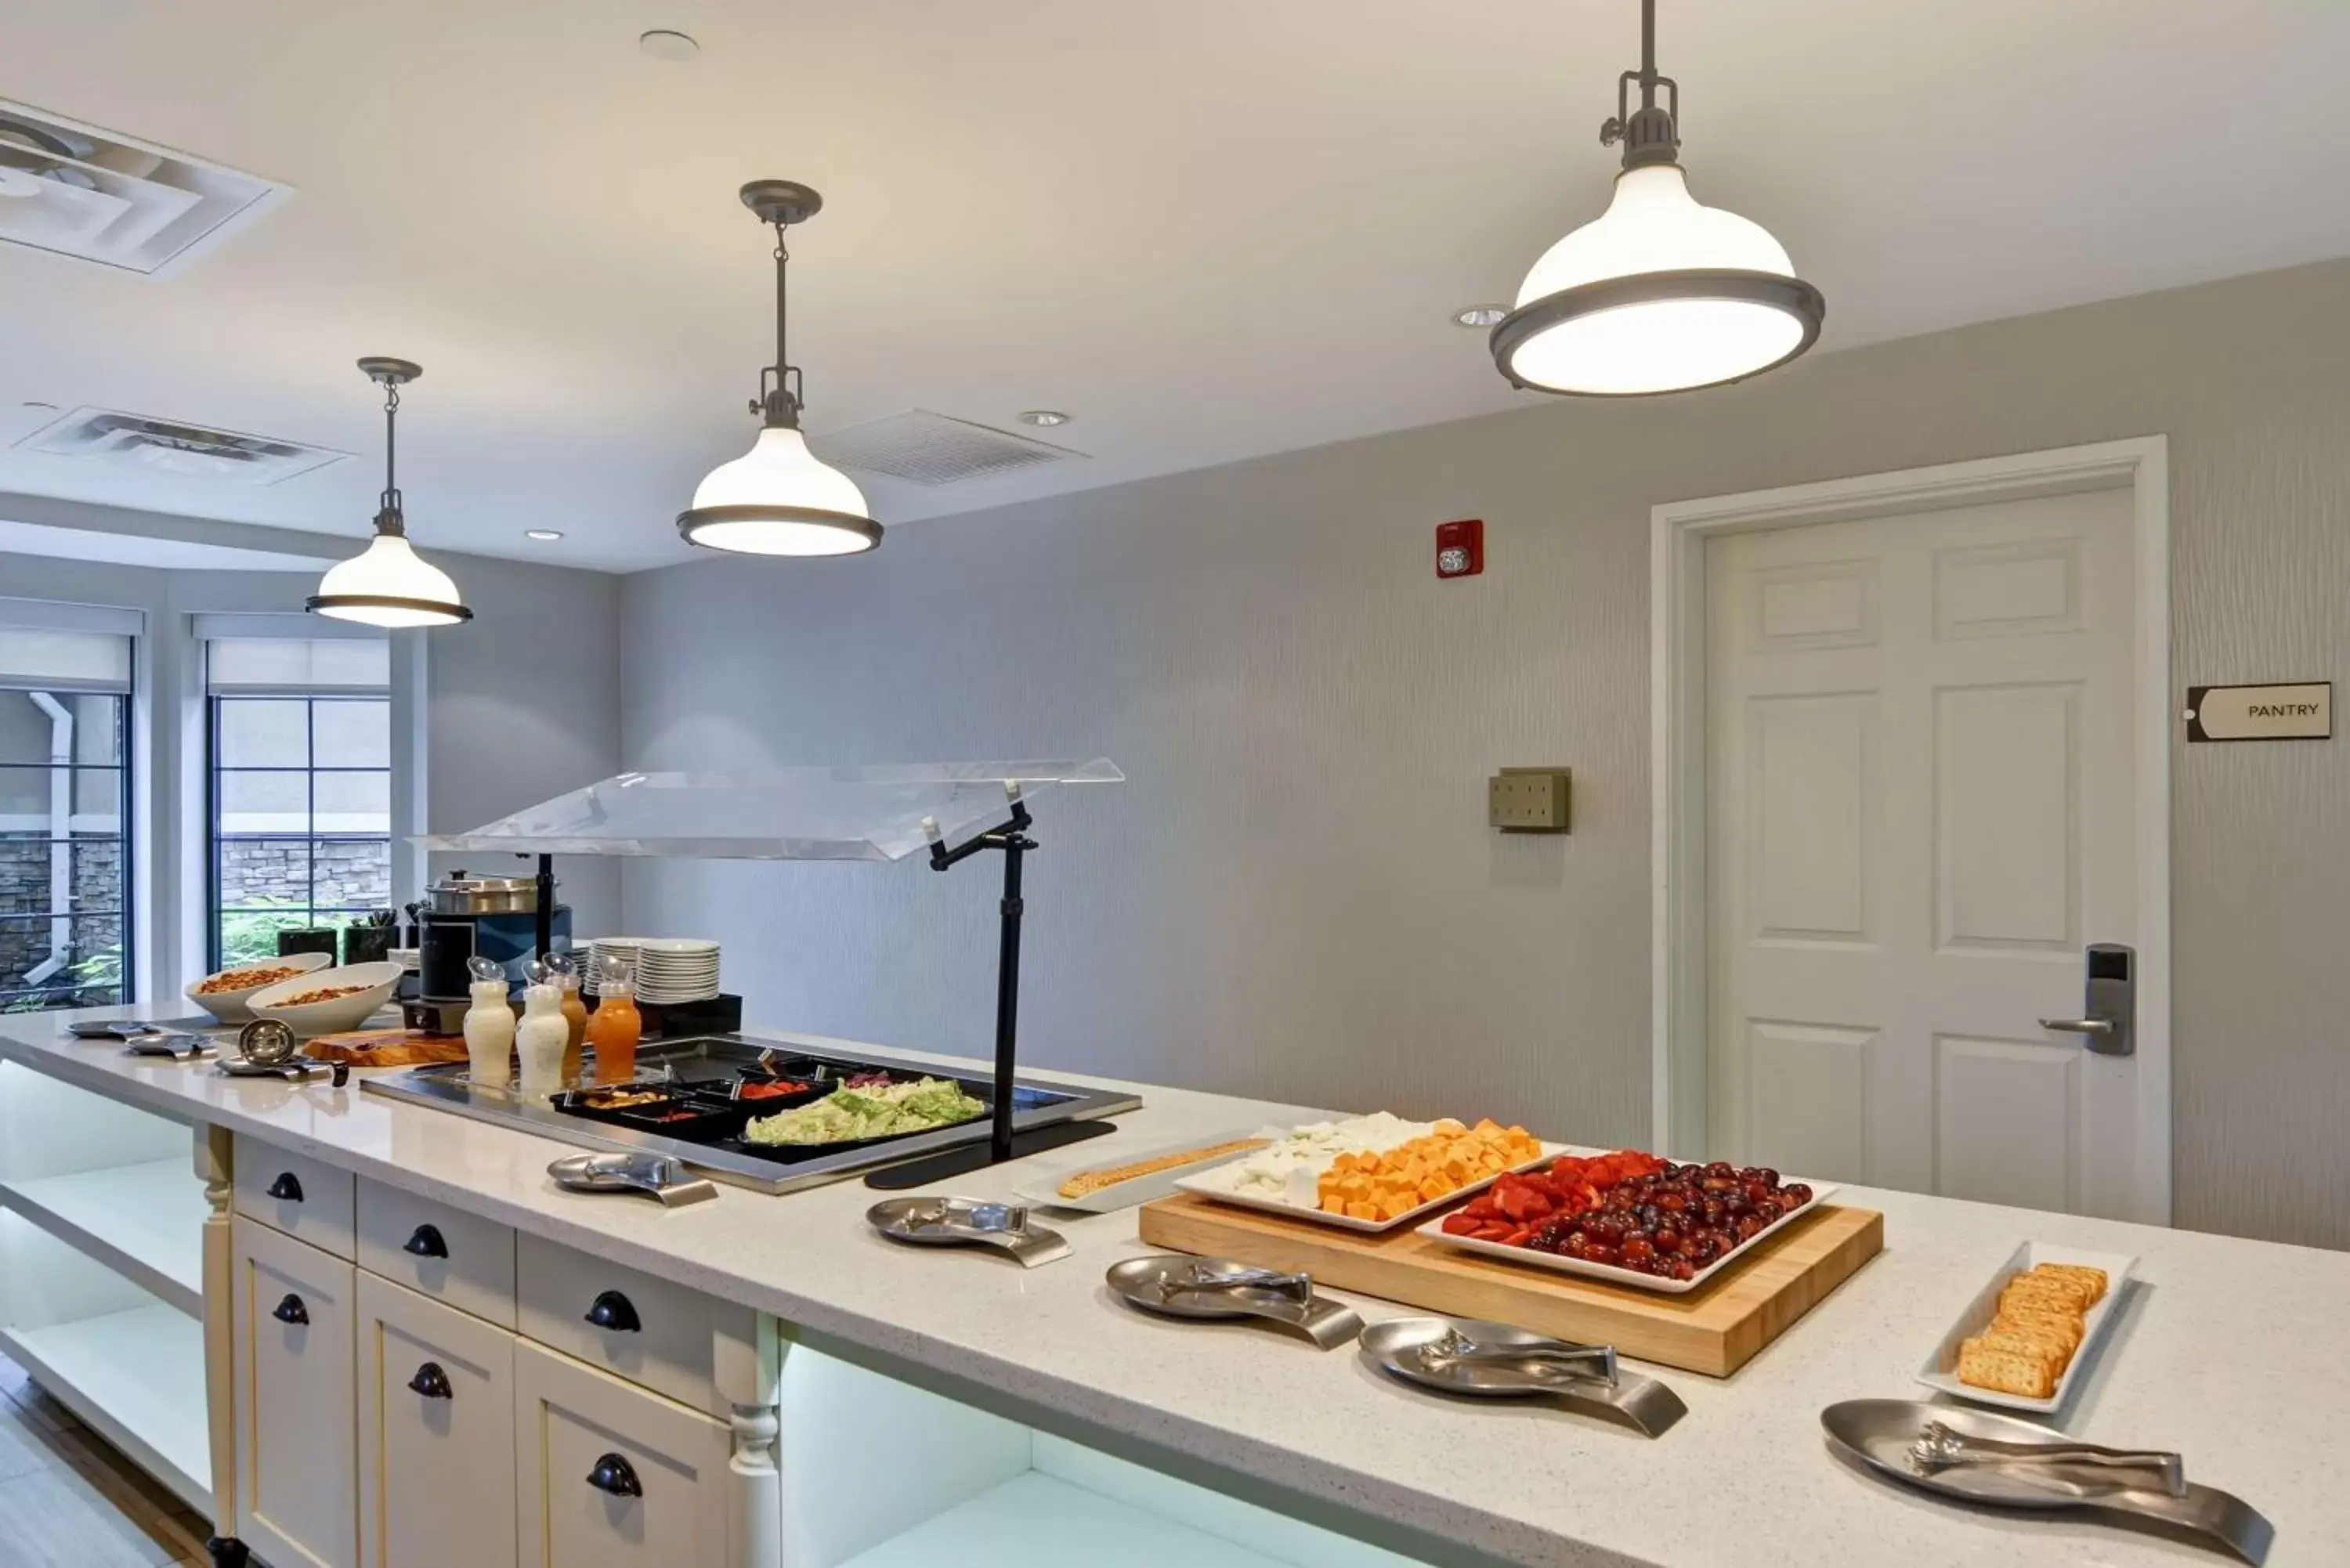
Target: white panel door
(296, 1468)
(1921, 802)
(436, 1434)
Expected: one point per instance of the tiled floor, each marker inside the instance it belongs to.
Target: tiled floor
(67, 1499)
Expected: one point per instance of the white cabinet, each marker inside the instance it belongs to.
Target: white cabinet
(436, 1250)
(293, 1315)
(612, 1476)
(307, 1199)
(692, 1347)
(436, 1434)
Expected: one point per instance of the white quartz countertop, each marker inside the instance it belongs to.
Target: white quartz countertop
(2237, 1352)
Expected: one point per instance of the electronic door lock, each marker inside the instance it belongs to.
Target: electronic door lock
(2108, 1020)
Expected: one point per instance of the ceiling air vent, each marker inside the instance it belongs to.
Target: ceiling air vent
(183, 450)
(102, 197)
(932, 449)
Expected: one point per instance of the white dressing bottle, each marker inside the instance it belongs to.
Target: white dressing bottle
(489, 1027)
(542, 1037)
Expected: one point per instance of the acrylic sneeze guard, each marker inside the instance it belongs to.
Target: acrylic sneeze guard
(875, 812)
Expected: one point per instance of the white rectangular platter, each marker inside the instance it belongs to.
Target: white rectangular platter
(1942, 1368)
(1207, 1185)
(1560, 1264)
(1044, 1188)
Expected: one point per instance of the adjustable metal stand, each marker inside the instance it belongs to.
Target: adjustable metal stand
(1004, 1143)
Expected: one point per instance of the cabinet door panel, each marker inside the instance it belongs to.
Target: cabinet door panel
(612, 1476)
(436, 1434)
(293, 1314)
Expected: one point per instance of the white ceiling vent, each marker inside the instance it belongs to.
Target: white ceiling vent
(102, 197)
(932, 449)
(167, 446)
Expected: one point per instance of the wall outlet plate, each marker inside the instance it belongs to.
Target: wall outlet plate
(1530, 800)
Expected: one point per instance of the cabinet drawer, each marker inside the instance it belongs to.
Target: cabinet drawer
(610, 1476)
(292, 1314)
(303, 1197)
(436, 1434)
(437, 1251)
(651, 1331)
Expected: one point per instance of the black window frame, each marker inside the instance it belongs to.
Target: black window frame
(125, 987)
(215, 838)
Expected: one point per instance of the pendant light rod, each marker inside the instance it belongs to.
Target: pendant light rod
(390, 375)
(1649, 135)
(781, 203)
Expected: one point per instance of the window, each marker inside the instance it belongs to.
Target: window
(65, 861)
(300, 787)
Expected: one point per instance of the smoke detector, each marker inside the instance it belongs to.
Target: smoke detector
(171, 447)
(933, 449)
(100, 196)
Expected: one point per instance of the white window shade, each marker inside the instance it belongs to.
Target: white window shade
(296, 666)
(36, 659)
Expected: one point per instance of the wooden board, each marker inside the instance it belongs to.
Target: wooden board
(1715, 1329)
(385, 1048)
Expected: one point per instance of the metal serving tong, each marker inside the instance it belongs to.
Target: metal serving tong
(1938, 1447)
(1218, 1290)
(1497, 1361)
(968, 1222)
(1973, 1455)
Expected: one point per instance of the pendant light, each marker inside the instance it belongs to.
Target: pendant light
(777, 498)
(389, 583)
(1658, 294)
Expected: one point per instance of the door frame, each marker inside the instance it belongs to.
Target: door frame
(1678, 772)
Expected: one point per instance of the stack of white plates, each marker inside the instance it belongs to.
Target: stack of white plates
(672, 969)
(621, 949)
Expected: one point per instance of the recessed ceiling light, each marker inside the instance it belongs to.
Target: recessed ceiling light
(1047, 418)
(544, 536)
(1479, 317)
(662, 44)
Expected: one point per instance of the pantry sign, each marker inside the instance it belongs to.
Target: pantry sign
(2272, 712)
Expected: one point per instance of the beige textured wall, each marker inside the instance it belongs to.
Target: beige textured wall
(1296, 895)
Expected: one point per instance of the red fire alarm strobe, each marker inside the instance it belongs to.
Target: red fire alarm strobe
(1460, 547)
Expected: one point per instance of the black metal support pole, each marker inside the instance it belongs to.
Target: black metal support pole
(545, 904)
(1007, 997)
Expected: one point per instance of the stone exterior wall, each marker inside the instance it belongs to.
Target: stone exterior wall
(272, 871)
(25, 943)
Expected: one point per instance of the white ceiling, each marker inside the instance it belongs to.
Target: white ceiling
(1210, 230)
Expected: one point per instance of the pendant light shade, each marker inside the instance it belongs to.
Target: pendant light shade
(389, 583)
(1660, 293)
(779, 498)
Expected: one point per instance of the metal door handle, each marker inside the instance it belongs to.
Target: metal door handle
(611, 1310)
(285, 1188)
(2079, 1025)
(291, 1310)
(616, 1475)
(432, 1382)
(426, 1242)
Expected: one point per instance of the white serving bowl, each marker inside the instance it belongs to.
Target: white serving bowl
(318, 1018)
(230, 1006)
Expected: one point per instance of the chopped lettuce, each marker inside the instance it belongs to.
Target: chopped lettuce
(877, 1111)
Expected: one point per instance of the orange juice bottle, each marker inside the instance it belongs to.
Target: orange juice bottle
(614, 1027)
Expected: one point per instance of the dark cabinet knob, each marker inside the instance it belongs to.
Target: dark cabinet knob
(426, 1244)
(291, 1310)
(616, 1475)
(432, 1382)
(611, 1310)
(285, 1188)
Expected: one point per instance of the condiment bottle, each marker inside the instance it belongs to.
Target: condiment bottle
(615, 1026)
(564, 971)
(489, 1027)
(539, 1038)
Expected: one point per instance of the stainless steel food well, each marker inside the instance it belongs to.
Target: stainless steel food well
(2013, 1464)
(968, 1222)
(1218, 1290)
(1476, 1359)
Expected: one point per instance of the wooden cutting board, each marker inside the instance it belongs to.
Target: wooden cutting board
(384, 1048)
(1714, 1329)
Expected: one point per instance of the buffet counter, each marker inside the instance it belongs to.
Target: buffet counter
(2232, 1351)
